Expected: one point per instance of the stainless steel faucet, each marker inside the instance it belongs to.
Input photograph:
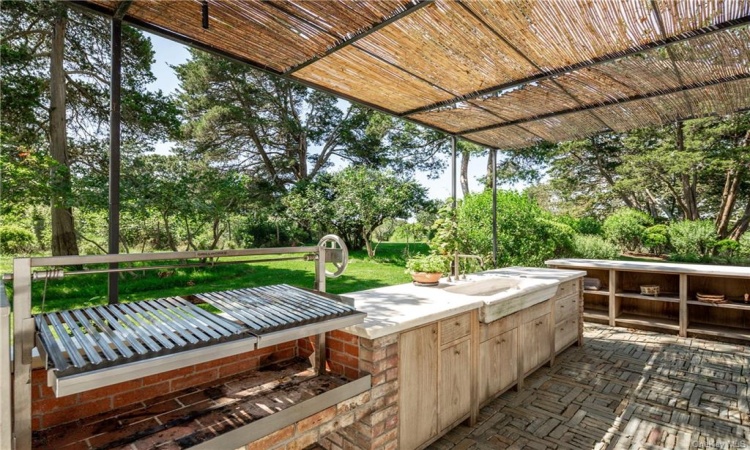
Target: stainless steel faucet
(457, 262)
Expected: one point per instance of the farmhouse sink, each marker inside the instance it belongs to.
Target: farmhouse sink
(503, 294)
(486, 287)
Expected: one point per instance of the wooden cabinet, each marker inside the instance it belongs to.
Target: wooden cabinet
(418, 390)
(498, 364)
(567, 310)
(455, 383)
(535, 337)
(435, 379)
(676, 308)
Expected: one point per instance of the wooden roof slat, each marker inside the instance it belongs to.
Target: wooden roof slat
(484, 67)
(355, 73)
(451, 49)
(741, 17)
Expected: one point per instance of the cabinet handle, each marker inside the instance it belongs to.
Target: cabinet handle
(499, 341)
(458, 324)
(434, 331)
(458, 352)
(540, 322)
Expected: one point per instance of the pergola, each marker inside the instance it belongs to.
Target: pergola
(501, 73)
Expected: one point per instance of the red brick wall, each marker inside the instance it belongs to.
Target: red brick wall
(48, 411)
(342, 353)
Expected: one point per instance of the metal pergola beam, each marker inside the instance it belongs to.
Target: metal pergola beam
(586, 64)
(347, 42)
(650, 95)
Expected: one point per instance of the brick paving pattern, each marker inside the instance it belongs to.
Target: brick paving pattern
(625, 389)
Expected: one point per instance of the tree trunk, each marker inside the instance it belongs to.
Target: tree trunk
(689, 194)
(168, 232)
(63, 229)
(740, 227)
(728, 200)
(368, 244)
(465, 172)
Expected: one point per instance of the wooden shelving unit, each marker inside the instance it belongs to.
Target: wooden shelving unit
(618, 300)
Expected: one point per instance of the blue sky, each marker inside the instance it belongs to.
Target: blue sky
(169, 53)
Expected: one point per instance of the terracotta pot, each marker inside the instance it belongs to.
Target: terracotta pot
(426, 277)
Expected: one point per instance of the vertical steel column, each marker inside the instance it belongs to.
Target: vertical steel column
(454, 193)
(23, 343)
(453, 170)
(494, 207)
(114, 153)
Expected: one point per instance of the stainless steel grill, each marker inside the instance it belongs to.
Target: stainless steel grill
(103, 336)
(273, 308)
(132, 340)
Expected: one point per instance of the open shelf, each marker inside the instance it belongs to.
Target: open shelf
(665, 312)
(648, 321)
(667, 297)
(729, 305)
(596, 292)
(594, 315)
(702, 329)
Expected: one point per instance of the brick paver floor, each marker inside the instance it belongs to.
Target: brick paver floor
(625, 389)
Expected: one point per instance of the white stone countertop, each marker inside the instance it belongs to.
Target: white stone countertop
(393, 309)
(657, 267)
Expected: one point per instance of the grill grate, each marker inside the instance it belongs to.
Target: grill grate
(102, 336)
(99, 337)
(272, 308)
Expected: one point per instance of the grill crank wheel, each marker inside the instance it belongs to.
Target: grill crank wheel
(336, 253)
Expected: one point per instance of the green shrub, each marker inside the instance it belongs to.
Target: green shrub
(656, 239)
(15, 240)
(526, 235)
(692, 240)
(429, 264)
(625, 228)
(582, 225)
(744, 250)
(727, 248)
(594, 247)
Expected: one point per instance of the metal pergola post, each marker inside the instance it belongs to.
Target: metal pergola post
(494, 207)
(114, 153)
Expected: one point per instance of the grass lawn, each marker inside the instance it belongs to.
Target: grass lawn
(387, 268)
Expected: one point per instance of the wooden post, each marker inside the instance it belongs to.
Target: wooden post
(23, 342)
(613, 310)
(319, 340)
(684, 319)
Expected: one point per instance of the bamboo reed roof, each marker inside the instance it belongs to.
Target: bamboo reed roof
(502, 73)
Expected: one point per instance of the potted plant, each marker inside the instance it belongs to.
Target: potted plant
(427, 270)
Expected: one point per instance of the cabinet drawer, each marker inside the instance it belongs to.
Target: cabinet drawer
(455, 328)
(536, 311)
(498, 327)
(567, 288)
(566, 307)
(565, 333)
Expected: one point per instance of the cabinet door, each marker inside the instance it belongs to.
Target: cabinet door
(566, 332)
(535, 342)
(418, 379)
(498, 364)
(455, 383)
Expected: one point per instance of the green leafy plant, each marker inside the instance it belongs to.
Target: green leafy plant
(656, 239)
(625, 228)
(15, 240)
(594, 247)
(428, 263)
(692, 240)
